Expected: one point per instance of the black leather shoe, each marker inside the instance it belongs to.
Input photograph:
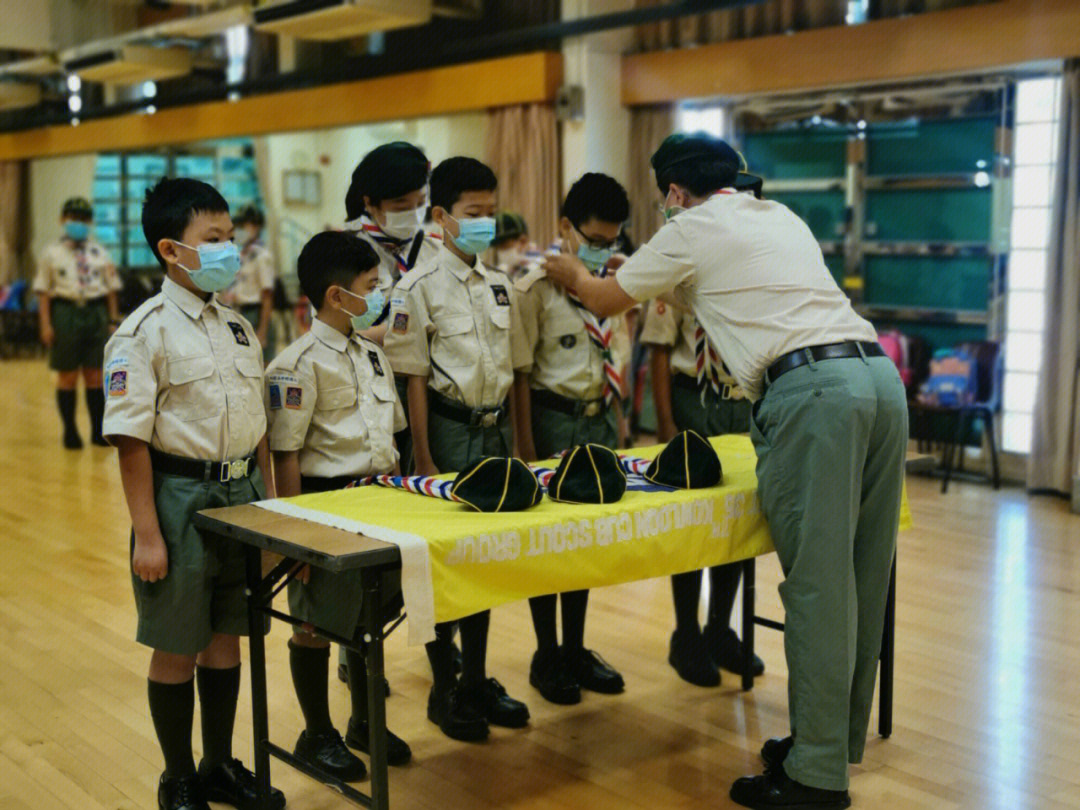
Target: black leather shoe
(593, 672)
(691, 659)
(775, 751)
(397, 750)
(776, 790)
(728, 652)
(99, 440)
(343, 676)
(232, 783)
(328, 753)
(552, 679)
(499, 708)
(459, 719)
(181, 793)
(72, 440)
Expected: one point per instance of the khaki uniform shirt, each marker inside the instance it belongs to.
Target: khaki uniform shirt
(453, 323)
(552, 345)
(58, 272)
(666, 325)
(256, 274)
(390, 271)
(754, 277)
(332, 398)
(186, 375)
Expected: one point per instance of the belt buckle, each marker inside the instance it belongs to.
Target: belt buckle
(725, 391)
(592, 408)
(490, 418)
(233, 470)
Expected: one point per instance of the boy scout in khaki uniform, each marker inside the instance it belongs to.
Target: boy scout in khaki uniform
(686, 401)
(450, 333)
(76, 283)
(252, 294)
(185, 410)
(567, 377)
(333, 413)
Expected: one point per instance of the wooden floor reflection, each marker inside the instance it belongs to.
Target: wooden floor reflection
(987, 694)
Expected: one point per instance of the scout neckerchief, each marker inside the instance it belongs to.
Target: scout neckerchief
(599, 332)
(418, 484)
(82, 268)
(708, 359)
(395, 247)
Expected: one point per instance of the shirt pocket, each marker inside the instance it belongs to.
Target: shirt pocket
(251, 380)
(334, 399)
(192, 394)
(500, 317)
(454, 344)
(565, 334)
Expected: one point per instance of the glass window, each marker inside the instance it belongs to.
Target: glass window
(1038, 101)
(1023, 351)
(1034, 144)
(1032, 185)
(1020, 393)
(1030, 227)
(1025, 312)
(1027, 270)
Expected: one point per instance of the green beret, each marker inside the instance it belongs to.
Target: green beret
(686, 146)
(495, 484)
(588, 473)
(688, 462)
(509, 225)
(77, 207)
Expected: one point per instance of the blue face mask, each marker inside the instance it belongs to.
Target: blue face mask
(219, 262)
(474, 235)
(375, 301)
(76, 231)
(594, 258)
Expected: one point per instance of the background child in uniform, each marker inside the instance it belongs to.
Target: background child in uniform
(185, 411)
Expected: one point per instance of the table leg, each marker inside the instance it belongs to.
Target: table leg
(259, 719)
(373, 638)
(748, 595)
(888, 660)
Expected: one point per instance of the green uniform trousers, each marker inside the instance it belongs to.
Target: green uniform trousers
(455, 445)
(830, 439)
(555, 431)
(716, 417)
(203, 591)
(79, 334)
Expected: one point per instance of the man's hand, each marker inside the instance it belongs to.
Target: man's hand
(150, 560)
(565, 270)
(47, 336)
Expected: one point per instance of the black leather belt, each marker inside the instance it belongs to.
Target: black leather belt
(317, 483)
(220, 471)
(568, 405)
(473, 417)
(829, 351)
(680, 380)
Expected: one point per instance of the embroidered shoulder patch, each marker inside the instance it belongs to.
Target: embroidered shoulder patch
(118, 383)
(502, 297)
(274, 391)
(294, 397)
(239, 333)
(376, 366)
(401, 322)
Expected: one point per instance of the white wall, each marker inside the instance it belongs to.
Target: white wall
(52, 181)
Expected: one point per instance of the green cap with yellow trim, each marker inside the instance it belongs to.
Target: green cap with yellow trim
(688, 462)
(78, 207)
(496, 484)
(588, 473)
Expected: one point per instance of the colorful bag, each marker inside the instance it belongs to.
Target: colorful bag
(953, 379)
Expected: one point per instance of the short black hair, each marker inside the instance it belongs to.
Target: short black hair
(700, 176)
(596, 196)
(249, 215)
(457, 175)
(387, 171)
(332, 258)
(170, 206)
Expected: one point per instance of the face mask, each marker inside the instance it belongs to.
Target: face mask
(594, 258)
(375, 301)
(219, 262)
(404, 224)
(672, 210)
(76, 231)
(474, 235)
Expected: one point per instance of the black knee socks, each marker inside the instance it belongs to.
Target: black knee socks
(65, 402)
(686, 592)
(574, 604)
(723, 584)
(172, 707)
(310, 672)
(440, 653)
(95, 404)
(218, 691)
(357, 668)
(543, 616)
(474, 636)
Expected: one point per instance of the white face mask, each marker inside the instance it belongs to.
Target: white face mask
(403, 224)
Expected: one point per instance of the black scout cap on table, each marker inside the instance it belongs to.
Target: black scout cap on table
(688, 462)
(588, 473)
(496, 484)
(686, 146)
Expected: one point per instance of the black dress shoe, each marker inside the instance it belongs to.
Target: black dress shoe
(552, 679)
(728, 652)
(397, 750)
(777, 790)
(775, 751)
(459, 719)
(691, 659)
(232, 783)
(490, 698)
(181, 793)
(72, 440)
(593, 672)
(343, 676)
(327, 752)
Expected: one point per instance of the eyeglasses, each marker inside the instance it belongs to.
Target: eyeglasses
(602, 244)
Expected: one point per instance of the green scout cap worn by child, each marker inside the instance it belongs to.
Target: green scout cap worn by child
(588, 473)
(77, 207)
(509, 225)
(495, 484)
(688, 462)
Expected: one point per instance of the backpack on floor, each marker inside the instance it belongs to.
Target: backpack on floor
(895, 345)
(953, 379)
